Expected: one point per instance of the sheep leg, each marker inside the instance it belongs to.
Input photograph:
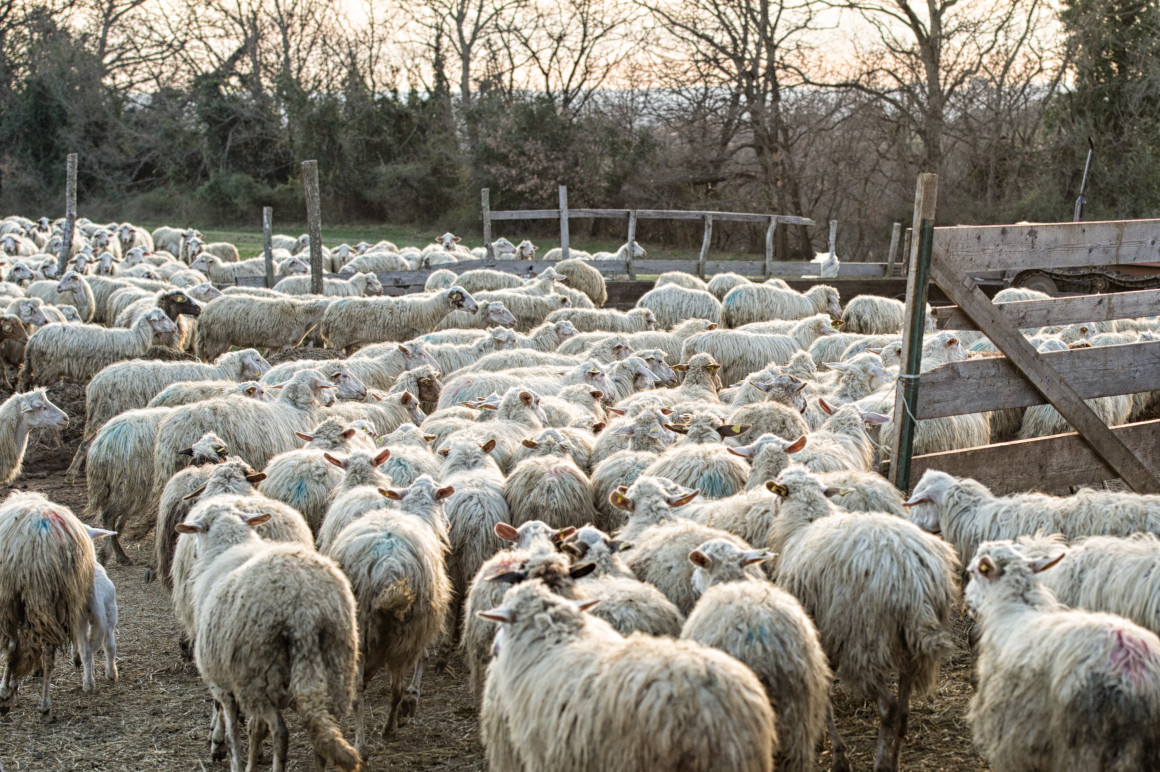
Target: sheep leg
(902, 712)
(85, 646)
(839, 761)
(359, 710)
(78, 462)
(111, 655)
(886, 718)
(47, 661)
(8, 678)
(228, 716)
(257, 737)
(217, 734)
(410, 702)
(122, 557)
(396, 698)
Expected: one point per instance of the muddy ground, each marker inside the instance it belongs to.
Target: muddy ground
(155, 718)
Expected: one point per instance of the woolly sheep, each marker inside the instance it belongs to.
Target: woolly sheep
(256, 322)
(875, 315)
(19, 414)
(47, 564)
(465, 326)
(728, 724)
(896, 623)
(440, 279)
(541, 380)
(767, 629)
(99, 628)
(411, 456)
(721, 283)
(583, 277)
(352, 321)
(359, 285)
(673, 303)
(551, 488)
(77, 352)
(277, 629)
(357, 494)
(741, 353)
(761, 302)
(701, 461)
(187, 392)
(966, 514)
(590, 319)
(376, 263)
(486, 280)
(1057, 688)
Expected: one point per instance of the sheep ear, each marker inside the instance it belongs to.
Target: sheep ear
(406, 398)
(1044, 563)
(377, 397)
(504, 615)
(713, 367)
(346, 435)
(509, 577)
(188, 527)
(678, 428)
(96, 533)
(615, 410)
(700, 558)
(393, 495)
(598, 427)
(620, 501)
(597, 394)
(530, 443)
(683, 499)
(618, 545)
(581, 571)
(430, 437)
(777, 488)
(488, 446)
(506, 532)
(839, 366)
(666, 411)
(733, 430)
(831, 492)
(444, 492)
(255, 477)
(341, 463)
(562, 534)
(876, 419)
(445, 452)
(745, 451)
(825, 407)
(257, 519)
(186, 452)
(307, 438)
(195, 494)
(383, 455)
(584, 605)
(680, 367)
(796, 445)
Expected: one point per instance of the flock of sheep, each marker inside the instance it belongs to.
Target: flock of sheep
(657, 538)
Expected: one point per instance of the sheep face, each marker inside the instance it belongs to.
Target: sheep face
(71, 281)
(526, 250)
(30, 313)
(564, 330)
(253, 365)
(414, 356)
(460, 299)
(293, 267)
(20, 274)
(833, 306)
(160, 322)
(202, 263)
(449, 240)
(204, 292)
(346, 385)
(37, 412)
(105, 264)
(373, 285)
(12, 329)
(999, 571)
(925, 502)
(429, 388)
(720, 560)
(177, 302)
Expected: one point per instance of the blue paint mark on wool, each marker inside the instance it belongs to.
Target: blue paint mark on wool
(300, 490)
(713, 485)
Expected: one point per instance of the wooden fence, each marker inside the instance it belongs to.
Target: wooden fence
(949, 256)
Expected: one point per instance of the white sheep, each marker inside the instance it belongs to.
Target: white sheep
(674, 303)
(593, 319)
(19, 414)
(1057, 689)
(256, 322)
(358, 285)
(761, 302)
(99, 629)
(352, 321)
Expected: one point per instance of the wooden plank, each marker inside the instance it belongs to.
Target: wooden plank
(527, 214)
(994, 383)
(1048, 245)
(267, 248)
(1044, 464)
(705, 241)
(599, 214)
(630, 241)
(906, 397)
(1061, 395)
(485, 213)
(70, 212)
(1062, 311)
(892, 253)
(833, 237)
(313, 223)
(769, 231)
(564, 252)
(680, 214)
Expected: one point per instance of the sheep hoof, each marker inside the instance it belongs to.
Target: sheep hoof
(218, 751)
(88, 686)
(150, 575)
(46, 716)
(407, 707)
(840, 765)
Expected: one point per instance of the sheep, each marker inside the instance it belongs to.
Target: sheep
(701, 384)
(99, 628)
(486, 280)
(72, 289)
(874, 315)
(543, 380)
(357, 494)
(531, 538)
(176, 502)
(647, 439)
(529, 310)
(741, 353)
(841, 444)
(625, 602)
(279, 628)
(670, 342)
(662, 539)
(728, 723)
(551, 488)
(256, 322)
(385, 414)
(673, 303)
(769, 417)
(965, 513)
(12, 333)
(761, 302)
(411, 456)
(304, 478)
(592, 319)
(256, 431)
(77, 352)
(1057, 689)
(376, 263)
(767, 629)
(187, 392)
(466, 326)
(897, 621)
(583, 277)
(395, 561)
(701, 461)
(452, 357)
(19, 414)
(351, 321)
(721, 283)
(47, 565)
(359, 285)
(440, 279)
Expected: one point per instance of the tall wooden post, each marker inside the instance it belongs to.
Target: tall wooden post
(769, 231)
(267, 248)
(705, 246)
(833, 236)
(917, 282)
(485, 202)
(314, 224)
(70, 212)
(631, 240)
(892, 253)
(564, 222)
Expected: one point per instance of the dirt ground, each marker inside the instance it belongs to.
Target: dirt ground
(156, 717)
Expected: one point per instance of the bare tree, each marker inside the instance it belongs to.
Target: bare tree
(465, 25)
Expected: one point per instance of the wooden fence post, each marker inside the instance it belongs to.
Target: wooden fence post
(892, 253)
(314, 224)
(564, 222)
(267, 248)
(833, 236)
(917, 283)
(769, 231)
(631, 239)
(705, 246)
(70, 212)
(485, 201)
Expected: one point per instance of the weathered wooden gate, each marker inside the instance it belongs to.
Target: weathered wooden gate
(950, 257)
